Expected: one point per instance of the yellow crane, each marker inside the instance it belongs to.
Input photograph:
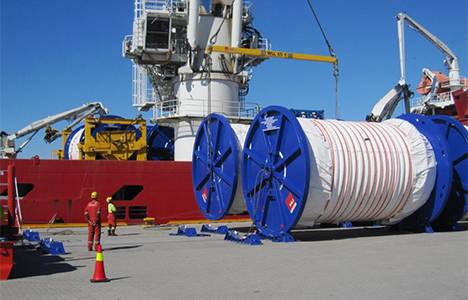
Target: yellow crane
(271, 54)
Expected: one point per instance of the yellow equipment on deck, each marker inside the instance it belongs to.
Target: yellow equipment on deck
(116, 143)
(110, 138)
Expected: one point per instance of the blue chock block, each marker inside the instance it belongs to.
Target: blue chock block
(32, 236)
(249, 239)
(284, 238)
(346, 224)
(232, 236)
(223, 229)
(50, 246)
(45, 242)
(190, 231)
(187, 231)
(252, 239)
(57, 248)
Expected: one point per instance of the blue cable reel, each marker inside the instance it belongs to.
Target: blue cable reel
(215, 164)
(275, 171)
(66, 147)
(456, 137)
(160, 141)
(422, 218)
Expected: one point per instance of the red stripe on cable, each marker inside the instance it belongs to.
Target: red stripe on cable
(388, 171)
(370, 184)
(343, 187)
(381, 165)
(348, 194)
(394, 168)
(365, 169)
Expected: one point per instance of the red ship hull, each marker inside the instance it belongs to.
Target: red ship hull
(60, 189)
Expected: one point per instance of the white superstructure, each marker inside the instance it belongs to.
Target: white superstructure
(176, 77)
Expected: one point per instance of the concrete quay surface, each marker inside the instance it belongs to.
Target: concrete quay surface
(333, 263)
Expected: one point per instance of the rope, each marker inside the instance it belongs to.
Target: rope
(336, 72)
(215, 35)
(330, 48)
(19, 215)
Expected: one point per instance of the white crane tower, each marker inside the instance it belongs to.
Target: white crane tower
(177, 75)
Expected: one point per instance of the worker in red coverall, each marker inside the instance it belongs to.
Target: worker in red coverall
(93, 216)
(111, 210)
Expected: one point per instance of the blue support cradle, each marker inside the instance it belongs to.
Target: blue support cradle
(223, 229)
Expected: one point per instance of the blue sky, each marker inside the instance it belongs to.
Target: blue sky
(58, 54)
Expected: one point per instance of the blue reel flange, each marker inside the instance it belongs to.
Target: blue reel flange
(422, 219)
(456, 137)
(66, 147)
(215, 166)
(275, 171)
(160, 141)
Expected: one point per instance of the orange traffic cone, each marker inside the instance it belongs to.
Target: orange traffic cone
(99, 273)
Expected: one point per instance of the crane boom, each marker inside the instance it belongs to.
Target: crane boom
(77, 114)
(271, 54)
(88, 108)
(451, 58)
(385, 107)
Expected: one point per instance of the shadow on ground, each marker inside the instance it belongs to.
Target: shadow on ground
(122, 247)
(127, 234)
(333, 232)
(30, 262)
(80, 258)
(119, 278)
(315, 235)
(463, 226)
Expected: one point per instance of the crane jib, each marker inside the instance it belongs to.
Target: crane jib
(272, 54)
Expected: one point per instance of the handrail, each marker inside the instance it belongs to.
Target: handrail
(200, 107)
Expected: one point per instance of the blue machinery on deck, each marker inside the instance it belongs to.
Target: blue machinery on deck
(160, 141)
